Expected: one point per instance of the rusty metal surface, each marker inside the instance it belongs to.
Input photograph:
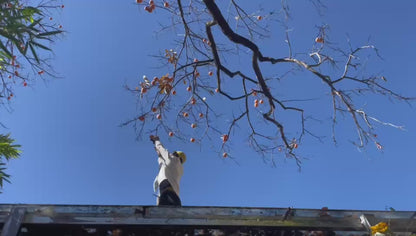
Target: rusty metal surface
(336, 220)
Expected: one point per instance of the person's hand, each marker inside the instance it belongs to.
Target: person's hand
(154, 138)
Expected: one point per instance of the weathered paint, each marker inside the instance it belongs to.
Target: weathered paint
(142, 216)
(13, 222)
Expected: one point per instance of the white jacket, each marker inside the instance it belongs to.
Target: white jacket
(170, 168)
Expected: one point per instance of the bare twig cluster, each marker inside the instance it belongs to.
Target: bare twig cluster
(207, 30)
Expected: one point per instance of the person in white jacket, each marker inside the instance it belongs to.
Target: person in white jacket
(170, 172)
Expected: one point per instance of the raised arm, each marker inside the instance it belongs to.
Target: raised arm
(161, 151)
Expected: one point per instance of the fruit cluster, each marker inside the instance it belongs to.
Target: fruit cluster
(171, 56)
(152, 6)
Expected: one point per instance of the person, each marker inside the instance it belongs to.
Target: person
(170, 173)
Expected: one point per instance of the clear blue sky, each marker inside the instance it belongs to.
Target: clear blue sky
(74, 151)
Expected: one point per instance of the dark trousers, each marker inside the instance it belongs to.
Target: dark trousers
(168, 197)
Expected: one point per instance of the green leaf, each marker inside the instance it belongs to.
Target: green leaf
(40, 45)
(25, 50)
(7, 148)
(50, 33)
(3, 176)
(29, 12)
(34, 23)
(8, 54)
(34, 53)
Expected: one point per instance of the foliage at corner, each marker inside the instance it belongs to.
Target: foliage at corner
(8, 150)
(218, 82)
(26, 32)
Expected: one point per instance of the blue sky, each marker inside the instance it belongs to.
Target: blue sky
(74, 151)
